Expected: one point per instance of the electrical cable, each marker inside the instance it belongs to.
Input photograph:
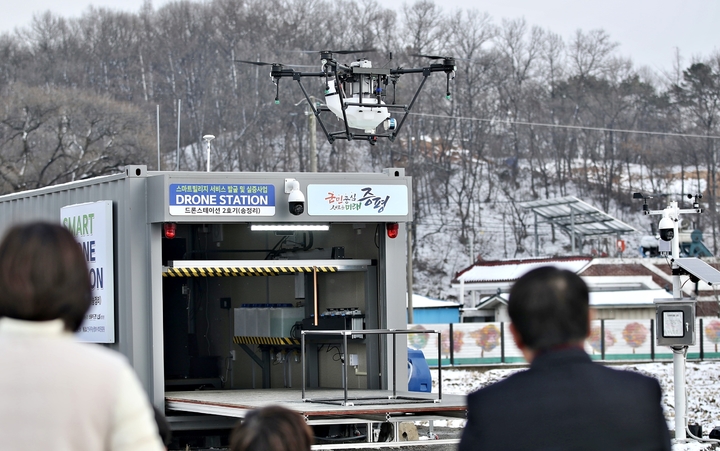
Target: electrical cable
(687, 424)
(274, 252)
(223, 379)
(337, 357)
(667, 260)
(310, 241)
(572, 127)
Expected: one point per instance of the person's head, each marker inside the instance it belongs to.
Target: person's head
(43, 275)
(549, 307)
(272, 428)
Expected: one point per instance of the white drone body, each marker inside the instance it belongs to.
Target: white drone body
(362, 108)
(356, 93)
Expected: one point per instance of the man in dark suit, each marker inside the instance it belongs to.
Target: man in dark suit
(564, 401)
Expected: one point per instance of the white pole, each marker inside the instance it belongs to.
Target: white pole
(158, 135)
(675, 243)
(679, 375)
(177, 157)
(207, 139)
(409, 275)
(678, 351)
(472, 248)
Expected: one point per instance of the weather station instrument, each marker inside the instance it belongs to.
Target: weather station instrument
(356, 94)
(675, 318)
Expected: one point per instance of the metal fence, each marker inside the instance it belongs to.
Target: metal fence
(609, 340)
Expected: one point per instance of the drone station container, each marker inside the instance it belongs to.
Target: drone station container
(228, 291)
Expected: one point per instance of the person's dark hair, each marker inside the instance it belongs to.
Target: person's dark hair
(43, 275)
(549, 307)
(272, 428)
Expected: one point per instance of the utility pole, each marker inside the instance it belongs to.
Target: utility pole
(312, 130)
(312, 133)
(177, 155)
(312, 138)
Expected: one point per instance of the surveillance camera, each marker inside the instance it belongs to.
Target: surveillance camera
(667, 229)
(296, 199)
(296, 202)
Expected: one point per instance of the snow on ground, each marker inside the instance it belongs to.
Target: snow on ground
(702, 386)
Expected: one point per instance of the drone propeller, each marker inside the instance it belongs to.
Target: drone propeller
(432, 57)
(258, 63)
(263, 63)
(348, 52)
(339, 52)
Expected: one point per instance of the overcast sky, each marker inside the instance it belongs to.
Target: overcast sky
(648, 31)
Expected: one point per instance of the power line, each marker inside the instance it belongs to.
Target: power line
(573, 127)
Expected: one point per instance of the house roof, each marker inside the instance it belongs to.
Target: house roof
(602, 299)
(611, 267)
(487, 277)
(626, 298)
(425, 302)
(511, 270)
(606, 283)
(492, 301)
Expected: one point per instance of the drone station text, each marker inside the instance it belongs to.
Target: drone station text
(222, 199)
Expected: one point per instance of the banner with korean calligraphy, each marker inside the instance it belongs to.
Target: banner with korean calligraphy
(357, 200)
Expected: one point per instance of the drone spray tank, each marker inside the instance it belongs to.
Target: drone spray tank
(363, 107)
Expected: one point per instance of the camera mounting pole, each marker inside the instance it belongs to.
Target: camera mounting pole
(675, 319)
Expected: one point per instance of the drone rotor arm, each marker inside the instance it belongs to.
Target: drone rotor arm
(401, 71)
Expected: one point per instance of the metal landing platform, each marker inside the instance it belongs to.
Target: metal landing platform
(382, 407)
(369, 406)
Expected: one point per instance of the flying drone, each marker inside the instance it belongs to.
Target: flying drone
(356, 93)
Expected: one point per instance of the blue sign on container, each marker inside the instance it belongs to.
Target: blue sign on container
(190, 199)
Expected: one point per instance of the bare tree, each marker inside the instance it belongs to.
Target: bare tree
(698, 94)
(590, 52)
(52, 135)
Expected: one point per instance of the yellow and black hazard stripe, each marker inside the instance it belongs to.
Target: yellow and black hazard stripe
(245, 271)
(287, 341)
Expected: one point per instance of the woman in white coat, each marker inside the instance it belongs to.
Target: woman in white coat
(58, 393)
